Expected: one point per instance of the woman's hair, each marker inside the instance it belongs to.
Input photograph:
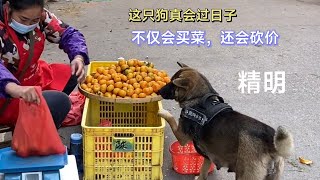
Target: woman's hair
(19, 5)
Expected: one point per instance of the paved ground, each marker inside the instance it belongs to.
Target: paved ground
(108, 32)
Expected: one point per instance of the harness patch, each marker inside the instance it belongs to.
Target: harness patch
(204, 112)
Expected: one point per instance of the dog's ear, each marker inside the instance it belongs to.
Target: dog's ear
(182, 65)
(181, 82)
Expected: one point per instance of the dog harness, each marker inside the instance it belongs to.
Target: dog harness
(204, 112)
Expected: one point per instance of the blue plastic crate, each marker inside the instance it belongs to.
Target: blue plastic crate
(11, 163)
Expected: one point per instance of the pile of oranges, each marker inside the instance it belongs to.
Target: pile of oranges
(126, 79)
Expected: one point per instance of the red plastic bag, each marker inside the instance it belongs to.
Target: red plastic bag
(105, 123)
(35, 133)
(75, 114)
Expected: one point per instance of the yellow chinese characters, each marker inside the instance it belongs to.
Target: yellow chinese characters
(179, 15)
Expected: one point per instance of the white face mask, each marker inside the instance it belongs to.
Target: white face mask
(21, 28)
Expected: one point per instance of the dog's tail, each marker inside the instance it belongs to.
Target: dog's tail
(283, 142)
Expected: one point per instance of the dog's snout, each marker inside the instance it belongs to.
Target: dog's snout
(167, 91)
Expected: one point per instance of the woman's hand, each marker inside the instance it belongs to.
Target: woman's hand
(77, 67)
(28, 93)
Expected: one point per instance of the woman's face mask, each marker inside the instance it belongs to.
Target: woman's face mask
(21, 28)
(24, 21)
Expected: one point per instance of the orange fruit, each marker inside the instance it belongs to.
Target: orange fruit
(156, 87)
(118, 69)
(138, 69)
(161, 83)
(144, 74)
(124, 67)
(103, 88)
(113, 66)
(122, 93)
(89, 79)
(108, 95)
(107, 77)
(113, 96)
(96, 88)
(110, 82)
(118, 85)
(112, 71)
(130, 92)
(135, 96)
(140, 63)
(133, 69)
(100, 77)
(161, 74)
(158, 78)
(122, 62)
(125, 84)
(116, 91)
(110, 88)
(113, 75)
(144, 69)
(149, 69)
(105, 72)
(100, 70)
(148, 79)
(102, 81)
(139, 78)
(117, 79)
(151, 74)
(127, 71)
(151, 90)
(136, 85)
(166, 79)
(135, 62)
(89, 85)
(124, 88)
(151, 83)
(130, 76)
(143, 84)
(130, 87)
(155, 71)
(154, 94)
(142, 95)
(96, 75)
(124, 78)
(94, 81)
(146, 91)
(130, 62)
(84, 86)
(164, 73)
(132, 81)
(137, 90)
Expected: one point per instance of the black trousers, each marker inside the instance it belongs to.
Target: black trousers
(59, 102)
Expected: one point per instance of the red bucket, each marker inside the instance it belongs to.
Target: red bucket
(186, 160)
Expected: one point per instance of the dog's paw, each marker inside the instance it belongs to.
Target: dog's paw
(164, 114)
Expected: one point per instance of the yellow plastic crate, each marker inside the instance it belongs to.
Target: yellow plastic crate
(131, 149)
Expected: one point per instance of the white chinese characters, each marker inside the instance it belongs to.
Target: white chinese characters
(250, 82)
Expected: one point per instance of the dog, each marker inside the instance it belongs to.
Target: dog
(244, 145)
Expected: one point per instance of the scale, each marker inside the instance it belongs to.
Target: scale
(31, 168)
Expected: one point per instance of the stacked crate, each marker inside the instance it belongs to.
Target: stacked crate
(131, 148)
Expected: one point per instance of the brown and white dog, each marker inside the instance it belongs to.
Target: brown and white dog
(248, 147)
